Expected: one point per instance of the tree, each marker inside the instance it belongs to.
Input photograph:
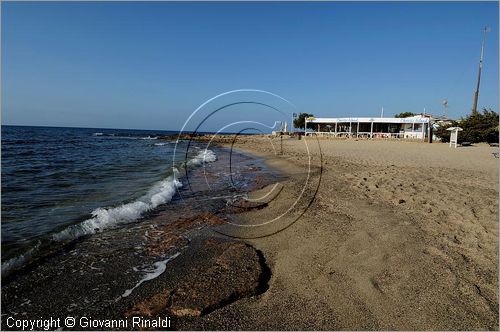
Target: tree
(404, 115)
(443, 134)
(477, 127)
(300, 120)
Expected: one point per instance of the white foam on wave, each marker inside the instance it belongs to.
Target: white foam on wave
(161, 144)
(157, 269)
(204, 156)
(105, 218)
(18, 261)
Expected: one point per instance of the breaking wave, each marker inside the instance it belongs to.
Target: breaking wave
(204, 156)
(19, 261)
(111, 217)
(105, 218)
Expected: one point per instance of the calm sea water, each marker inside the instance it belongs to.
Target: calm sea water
(61, 183)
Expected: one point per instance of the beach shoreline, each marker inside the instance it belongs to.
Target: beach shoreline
(375, 236)
(105, 275)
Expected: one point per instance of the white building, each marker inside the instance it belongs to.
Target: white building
(415, 127)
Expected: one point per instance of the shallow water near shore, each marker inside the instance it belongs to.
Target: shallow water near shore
(107, 273)
(60, 184)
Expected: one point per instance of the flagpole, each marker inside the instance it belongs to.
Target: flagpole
(476, 93)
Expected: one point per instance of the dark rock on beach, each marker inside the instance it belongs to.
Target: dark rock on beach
(213, 272)
(199, 137)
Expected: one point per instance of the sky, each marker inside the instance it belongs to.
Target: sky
(150, 65)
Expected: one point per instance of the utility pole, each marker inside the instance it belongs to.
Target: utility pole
(476, 94)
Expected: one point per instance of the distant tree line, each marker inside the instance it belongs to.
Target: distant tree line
(404, 115)
(477, 127)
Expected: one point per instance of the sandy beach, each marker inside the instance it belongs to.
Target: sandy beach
(346, 235)
(399, 236)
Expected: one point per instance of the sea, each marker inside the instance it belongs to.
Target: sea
(61, 184)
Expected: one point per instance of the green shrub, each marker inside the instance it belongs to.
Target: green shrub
(404, 115)
(299, 121)
(478, 127)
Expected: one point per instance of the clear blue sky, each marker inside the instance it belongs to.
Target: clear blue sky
(149, 65)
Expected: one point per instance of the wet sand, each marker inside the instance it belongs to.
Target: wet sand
(400, 235)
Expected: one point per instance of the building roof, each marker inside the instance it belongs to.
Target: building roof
(372, 119)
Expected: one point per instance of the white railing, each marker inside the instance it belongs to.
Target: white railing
(376, 135)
